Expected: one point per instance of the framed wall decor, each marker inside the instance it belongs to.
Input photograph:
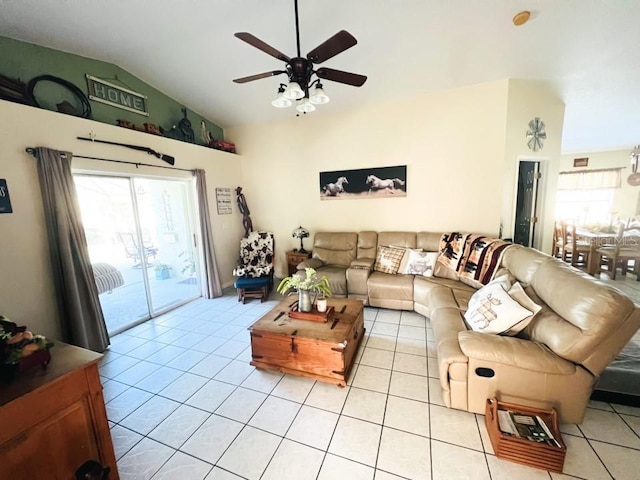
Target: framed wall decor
(5, 201)
(374, 182)
(223, 200)
(581, 162)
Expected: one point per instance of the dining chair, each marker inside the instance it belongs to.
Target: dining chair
(558, 240)
(625, 250)
(575, 250)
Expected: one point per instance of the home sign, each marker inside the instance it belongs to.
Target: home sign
(105, 92)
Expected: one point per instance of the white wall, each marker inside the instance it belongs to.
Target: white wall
(625, 202)
(526, 101)
(26, 292)
(452, 143)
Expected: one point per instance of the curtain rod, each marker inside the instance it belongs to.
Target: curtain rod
(31, 151)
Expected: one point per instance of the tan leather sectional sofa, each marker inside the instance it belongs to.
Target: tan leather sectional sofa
(556, 361)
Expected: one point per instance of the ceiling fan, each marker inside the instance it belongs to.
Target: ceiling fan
(300, 69)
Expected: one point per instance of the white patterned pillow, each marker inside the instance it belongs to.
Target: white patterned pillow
(492, 310)
(417, 262)
(388, 259)
(518, 294)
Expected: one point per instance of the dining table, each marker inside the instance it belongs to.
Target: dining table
(597, 239)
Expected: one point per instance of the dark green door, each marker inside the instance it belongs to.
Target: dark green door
(528, 175)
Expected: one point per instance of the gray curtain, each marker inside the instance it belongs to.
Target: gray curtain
(211, 287)
(77, 295)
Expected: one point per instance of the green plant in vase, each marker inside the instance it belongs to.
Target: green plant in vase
(305, 285)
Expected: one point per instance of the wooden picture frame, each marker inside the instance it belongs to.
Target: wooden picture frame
(581, 162)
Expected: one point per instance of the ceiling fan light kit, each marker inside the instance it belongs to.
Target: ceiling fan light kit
(318, 97)
(281, 101)
(293, 91)
(300, 70)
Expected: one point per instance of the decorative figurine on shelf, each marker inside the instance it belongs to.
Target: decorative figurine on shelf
(185, 128)
(205, 135)
(300, 233)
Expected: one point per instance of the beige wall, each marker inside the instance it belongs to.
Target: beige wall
(452, 143)
(26, 292)
(526, 101)
(626, 197)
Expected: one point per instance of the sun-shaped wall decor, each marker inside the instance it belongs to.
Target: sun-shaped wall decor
(536, 135)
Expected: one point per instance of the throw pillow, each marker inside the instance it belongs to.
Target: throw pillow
(518, 294)
(388, 259)
(503, 280)
(494, 311)
(417, 262)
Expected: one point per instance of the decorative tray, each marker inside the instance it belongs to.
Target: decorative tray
(314, 315)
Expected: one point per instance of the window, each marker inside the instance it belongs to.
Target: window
(586, 196)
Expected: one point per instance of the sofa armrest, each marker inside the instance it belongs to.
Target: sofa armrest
(357, 276)
(310, 263)
(362, 263)
(525, 354)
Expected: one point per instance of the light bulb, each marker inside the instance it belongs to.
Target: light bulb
(305, 106)
(293, 91)
(318, 97)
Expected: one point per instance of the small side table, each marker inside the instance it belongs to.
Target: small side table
(294, 257)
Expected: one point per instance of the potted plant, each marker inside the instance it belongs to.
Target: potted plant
(305, 285)
(163, 271)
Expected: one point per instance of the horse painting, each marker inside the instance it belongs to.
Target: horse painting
(374, 183)
(333, 189)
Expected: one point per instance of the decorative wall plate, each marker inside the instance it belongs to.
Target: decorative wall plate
(536, 135)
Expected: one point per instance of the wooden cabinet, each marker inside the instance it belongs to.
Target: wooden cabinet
(54, 420)
(294, 257)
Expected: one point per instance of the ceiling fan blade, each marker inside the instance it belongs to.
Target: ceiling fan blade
(340, 42)
(258, 76)
(341, 76)
(260, 45)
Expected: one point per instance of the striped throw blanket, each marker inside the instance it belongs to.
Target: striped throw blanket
(472, 256)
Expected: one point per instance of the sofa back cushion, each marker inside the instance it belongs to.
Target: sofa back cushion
(367, 243)
(523, 262)
(397, 239)
(428, 241)
(335, 248)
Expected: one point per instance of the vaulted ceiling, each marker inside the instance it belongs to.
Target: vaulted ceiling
(585, 50)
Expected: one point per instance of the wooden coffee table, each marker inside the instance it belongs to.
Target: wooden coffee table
(321, 350)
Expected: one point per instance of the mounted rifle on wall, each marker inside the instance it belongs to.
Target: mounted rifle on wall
(167, 158)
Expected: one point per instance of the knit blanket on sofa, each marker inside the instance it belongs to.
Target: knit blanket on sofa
(472, 256)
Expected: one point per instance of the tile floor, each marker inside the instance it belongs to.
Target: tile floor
(184, 403)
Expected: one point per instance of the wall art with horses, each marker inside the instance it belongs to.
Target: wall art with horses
(375, 182)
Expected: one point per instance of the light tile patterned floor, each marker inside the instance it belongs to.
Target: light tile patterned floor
(184, 403)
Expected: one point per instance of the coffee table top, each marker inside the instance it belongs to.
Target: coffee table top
(278, 322)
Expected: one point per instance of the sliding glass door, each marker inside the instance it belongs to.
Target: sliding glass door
(140, 233)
